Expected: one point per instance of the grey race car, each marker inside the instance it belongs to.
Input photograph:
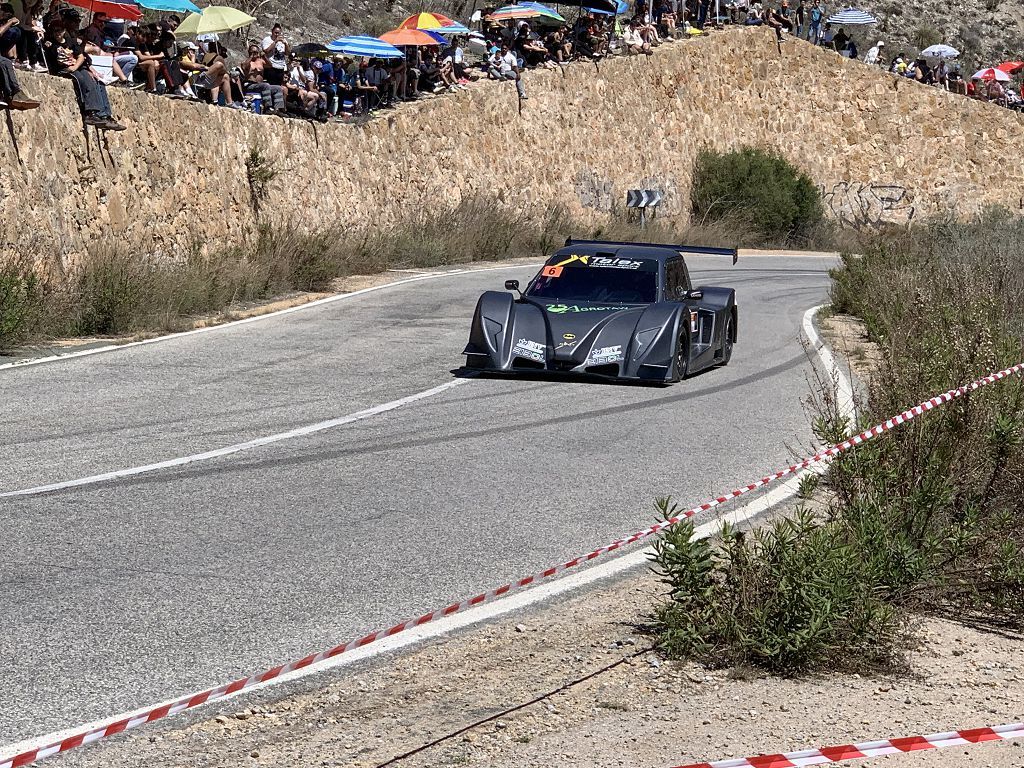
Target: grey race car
(619, 310)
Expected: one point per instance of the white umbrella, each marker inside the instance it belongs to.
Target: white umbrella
(940, 51)
(991, 73)
(852, 16)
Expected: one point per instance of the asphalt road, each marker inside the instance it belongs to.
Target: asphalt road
(121, 594)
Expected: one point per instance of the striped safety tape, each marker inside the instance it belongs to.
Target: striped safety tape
(871, 748)
(173, 708)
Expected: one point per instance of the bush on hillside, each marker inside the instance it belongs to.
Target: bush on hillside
(762, 193)
(923, 519)
(793, 596)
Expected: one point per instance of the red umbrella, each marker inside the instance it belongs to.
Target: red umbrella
(1011, 67)
(130, 12)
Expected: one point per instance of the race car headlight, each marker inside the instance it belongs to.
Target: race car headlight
(644, 339)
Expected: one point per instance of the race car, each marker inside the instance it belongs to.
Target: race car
(611, 309)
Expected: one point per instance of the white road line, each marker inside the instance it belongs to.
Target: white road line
(515, 601)
(256, 318)
(259, 442)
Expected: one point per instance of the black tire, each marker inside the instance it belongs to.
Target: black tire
(682, 361)
(727, 340)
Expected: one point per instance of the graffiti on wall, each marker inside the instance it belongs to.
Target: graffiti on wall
(867, 205)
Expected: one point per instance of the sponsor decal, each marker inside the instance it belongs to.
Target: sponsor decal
(561, 309)
(593, 261)
(569, 336)
(606, 355)
(604, 261)
(571, 259)
(566, 345)
(551, 271)
(531, 350)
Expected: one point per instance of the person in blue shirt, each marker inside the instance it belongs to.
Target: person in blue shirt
(326, 83)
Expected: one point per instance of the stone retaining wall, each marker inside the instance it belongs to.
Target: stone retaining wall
(882, 149)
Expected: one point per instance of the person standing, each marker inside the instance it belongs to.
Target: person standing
(815, 16)
(800, 16)
(276, 50)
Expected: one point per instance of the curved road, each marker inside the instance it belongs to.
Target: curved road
(123, 593)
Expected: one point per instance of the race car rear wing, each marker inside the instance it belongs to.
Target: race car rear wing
(706, 250)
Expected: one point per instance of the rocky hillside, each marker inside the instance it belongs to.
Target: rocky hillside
(986, 31)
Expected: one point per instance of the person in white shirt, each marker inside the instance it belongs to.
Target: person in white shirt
(302, 86)
(873, 56)
(276, 50)
(631, 38)
(503, 65)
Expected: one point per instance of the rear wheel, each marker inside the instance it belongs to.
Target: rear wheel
(727, 340)
(682, 360)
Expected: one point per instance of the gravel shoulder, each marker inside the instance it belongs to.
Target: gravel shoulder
(642, 711)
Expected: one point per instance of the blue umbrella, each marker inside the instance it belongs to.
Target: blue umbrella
(171, 6)
(364, 45)
(620, 8)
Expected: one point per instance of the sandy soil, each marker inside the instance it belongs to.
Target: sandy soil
(847, 336)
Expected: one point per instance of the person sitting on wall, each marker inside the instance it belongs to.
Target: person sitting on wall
(634, 43)
(96, 44)
(11, 94)
(254, 82)
(65, 56)
(504, 66)
(212, 77)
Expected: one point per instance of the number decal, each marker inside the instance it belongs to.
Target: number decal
(551, 271)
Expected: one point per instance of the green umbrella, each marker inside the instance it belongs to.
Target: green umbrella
(214, 20)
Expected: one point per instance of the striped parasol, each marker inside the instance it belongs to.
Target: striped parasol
(364, 45)
(434, 22)
(852, 17)
(524, 10)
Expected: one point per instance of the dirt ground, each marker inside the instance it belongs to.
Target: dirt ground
(643, 712)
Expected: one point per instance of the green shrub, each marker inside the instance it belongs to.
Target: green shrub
(794, 596)
(20, 294)
(925, 519)
(762, 193)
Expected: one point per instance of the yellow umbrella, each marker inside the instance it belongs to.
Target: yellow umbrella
(214, 19)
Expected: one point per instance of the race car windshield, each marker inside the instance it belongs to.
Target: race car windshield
(597, 284)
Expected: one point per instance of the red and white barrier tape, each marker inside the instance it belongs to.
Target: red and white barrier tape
(871, 748)
(164, 710)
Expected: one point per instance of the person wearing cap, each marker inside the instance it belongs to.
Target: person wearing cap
(874, 54)
(211, 77)
(11, 94)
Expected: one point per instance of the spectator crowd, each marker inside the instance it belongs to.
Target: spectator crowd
(275, 76)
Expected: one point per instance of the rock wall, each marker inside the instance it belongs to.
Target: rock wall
(882, 149)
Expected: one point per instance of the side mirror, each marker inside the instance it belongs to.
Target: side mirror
(511, 285)
(696, 293)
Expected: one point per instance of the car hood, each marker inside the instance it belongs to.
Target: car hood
(575, 329)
